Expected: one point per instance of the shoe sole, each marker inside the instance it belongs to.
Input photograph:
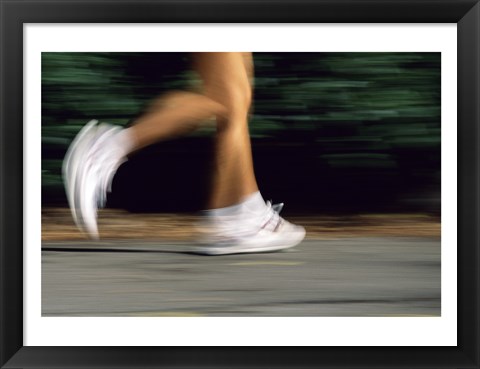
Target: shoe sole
(252, 249)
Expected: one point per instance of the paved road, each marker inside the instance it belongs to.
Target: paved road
(348, 277)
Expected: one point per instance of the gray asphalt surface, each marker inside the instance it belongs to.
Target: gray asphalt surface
(345, 277)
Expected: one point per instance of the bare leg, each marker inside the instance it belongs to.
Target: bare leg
(174, 114)
(226, 78)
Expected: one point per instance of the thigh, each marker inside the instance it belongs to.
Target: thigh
(226, 77)
(249, 66)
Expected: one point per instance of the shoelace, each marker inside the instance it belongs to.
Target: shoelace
(268, 219)
(272, 218)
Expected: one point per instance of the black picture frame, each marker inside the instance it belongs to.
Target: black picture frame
(15, 13)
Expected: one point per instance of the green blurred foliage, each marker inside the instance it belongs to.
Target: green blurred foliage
(353, 110)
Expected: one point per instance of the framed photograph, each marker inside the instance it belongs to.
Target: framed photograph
(362, 117)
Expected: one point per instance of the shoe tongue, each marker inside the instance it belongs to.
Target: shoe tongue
(278, 207)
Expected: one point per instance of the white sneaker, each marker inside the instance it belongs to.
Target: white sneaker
(266, 232)
(72, 162)
(88, 172)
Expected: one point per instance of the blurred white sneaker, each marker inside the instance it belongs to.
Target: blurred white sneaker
(260, 232)
(72, 161)
(89, 167)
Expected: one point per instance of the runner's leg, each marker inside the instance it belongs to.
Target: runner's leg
(226, 78)
(173, 114)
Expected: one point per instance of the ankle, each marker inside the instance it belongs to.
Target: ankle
(248, 208)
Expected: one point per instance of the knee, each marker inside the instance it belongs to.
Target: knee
(241, 98)
(236, 98)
